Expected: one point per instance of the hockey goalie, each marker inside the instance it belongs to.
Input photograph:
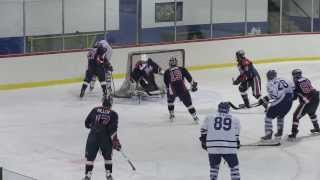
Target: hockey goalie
(143, 75)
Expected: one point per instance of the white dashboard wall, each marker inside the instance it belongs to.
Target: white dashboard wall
(71, 65)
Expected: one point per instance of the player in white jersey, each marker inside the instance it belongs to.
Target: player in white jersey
(280, 97)
(220, 137)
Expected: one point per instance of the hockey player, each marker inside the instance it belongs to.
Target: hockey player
(174, 80)
(248, 77)
(98, 65)
(220, 137)
(280, 96)
(103, 125)
(308, 102)
(143, 74)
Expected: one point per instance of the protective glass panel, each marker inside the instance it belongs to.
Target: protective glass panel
(193, 20)
(257, 17)
(316, 16)
(11, 18)
(43, 17)
(157, 20)
(274, 16)
(228, 18)
(297, 16)
(84, 16)
(125, 16)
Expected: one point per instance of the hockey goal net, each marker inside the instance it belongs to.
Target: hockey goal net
(161, 57)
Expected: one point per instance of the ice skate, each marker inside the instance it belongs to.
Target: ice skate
(171, 116)
(267, 137)
(81, 93)
(279, 133)
(109, 177)
(315, 130)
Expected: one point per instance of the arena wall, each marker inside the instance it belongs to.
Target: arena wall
(48, 69)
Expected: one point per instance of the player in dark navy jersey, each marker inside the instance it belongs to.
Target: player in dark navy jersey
(98, 65)
(174, 80)
(248, 77)
(103, 125)
(308, 102)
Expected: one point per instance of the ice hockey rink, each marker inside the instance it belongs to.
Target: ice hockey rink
(42, 133)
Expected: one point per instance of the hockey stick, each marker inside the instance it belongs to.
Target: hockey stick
(128, 160)
(114, 87)
(242, 106)
(261, 144)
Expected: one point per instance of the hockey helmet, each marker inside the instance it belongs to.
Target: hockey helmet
(240, 54)
(223, 107)
(144, 57)
(173, 61)
(296, 74)
(271, 74)
(107, 101)
(101, 47)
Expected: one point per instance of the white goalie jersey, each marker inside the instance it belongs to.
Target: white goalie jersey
(278, 88)
(222, 131)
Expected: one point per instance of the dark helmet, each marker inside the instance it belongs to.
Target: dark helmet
(173, 61)
(223, 107)
(101, 47)
(271, 74)
(107, 102)
(240, 54)
(296, 74)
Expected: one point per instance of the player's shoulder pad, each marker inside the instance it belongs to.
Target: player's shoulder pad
(246, 62)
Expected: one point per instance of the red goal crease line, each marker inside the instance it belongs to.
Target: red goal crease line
(14, 86)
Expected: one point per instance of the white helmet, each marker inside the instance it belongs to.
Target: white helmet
(144, 57)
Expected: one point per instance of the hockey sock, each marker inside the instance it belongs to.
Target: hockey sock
(89, 169)
(268, 126)
(108, 168)
(294, 129)
(170, 107)
(104, 87)
(314, 121)
(214, 172)
(84, 86)
(191, 110)
(280, 124)
(235, 173)
(245, 99)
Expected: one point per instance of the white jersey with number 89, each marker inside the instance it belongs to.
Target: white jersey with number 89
(222, 132)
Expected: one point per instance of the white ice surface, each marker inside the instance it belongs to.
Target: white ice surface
(42, 133)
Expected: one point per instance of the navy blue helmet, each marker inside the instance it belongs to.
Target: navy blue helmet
(296, 74)
(240, 54)
(223, 107)
(271, 74)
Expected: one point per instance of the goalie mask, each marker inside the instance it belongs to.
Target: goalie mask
(173, 62)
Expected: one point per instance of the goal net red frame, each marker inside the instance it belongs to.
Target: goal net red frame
(161, 57)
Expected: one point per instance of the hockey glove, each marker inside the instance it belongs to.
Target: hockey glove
(264, 100)
(116, 143)
(194, 87)
(203, 141)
